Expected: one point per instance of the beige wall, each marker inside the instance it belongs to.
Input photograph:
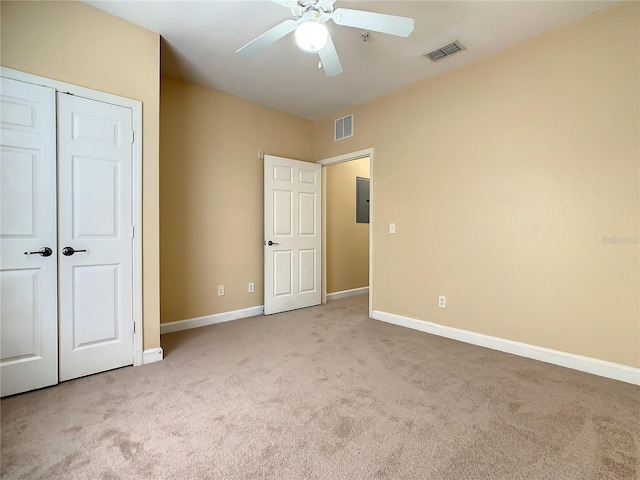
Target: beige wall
(503, 179)
(78, 44)
(211, 184)
(347, 241)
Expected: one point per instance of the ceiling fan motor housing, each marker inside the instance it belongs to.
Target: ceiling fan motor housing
(321, 8)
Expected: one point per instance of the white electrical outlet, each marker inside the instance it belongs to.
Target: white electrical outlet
(392, 228)
(252, 287)
(442, 301)
(220, 290)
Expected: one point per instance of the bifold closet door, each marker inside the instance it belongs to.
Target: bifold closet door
(28, 247)
(95, 236)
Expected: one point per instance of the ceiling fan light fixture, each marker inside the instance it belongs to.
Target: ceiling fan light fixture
(311, 36)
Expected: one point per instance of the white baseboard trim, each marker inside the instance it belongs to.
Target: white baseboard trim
(594, 366)
(211, 319)
(152, 355)
(347, 293)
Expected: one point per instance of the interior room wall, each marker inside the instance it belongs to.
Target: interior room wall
(514, 185)
(347, 246)
(211, 184)
(78, 44)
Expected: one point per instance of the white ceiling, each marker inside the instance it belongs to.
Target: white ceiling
(200, 39)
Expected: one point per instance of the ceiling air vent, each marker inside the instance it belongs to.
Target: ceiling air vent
(445, 51)
(344, 127)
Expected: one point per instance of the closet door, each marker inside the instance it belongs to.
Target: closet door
(28, 249)
(95, 236)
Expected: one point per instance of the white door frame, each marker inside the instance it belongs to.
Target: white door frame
(136, 107)
(347, 157)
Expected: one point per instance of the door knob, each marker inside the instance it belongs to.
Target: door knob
(43, 252)
(270, 243)
(68, 251)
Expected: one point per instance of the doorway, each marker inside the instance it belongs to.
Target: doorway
(348, 242)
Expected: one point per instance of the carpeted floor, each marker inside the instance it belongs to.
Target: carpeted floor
(325, 393)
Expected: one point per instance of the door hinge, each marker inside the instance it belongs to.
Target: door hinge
(132, 136)
(133, 234)
(134, 327)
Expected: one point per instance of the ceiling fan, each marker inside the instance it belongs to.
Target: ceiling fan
(312, 35)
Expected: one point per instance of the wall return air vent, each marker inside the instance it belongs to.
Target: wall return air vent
(343, 128)
(446, 51)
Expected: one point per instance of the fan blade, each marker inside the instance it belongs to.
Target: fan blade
(267, 38)
(378, 22)
(286, 3)
(330, 60)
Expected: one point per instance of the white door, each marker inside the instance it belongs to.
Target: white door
(95, 236)
(28, 278)
(292, 236)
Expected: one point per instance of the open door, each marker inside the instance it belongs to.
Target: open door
(292, 234)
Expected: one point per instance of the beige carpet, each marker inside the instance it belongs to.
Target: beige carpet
(325, 393)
